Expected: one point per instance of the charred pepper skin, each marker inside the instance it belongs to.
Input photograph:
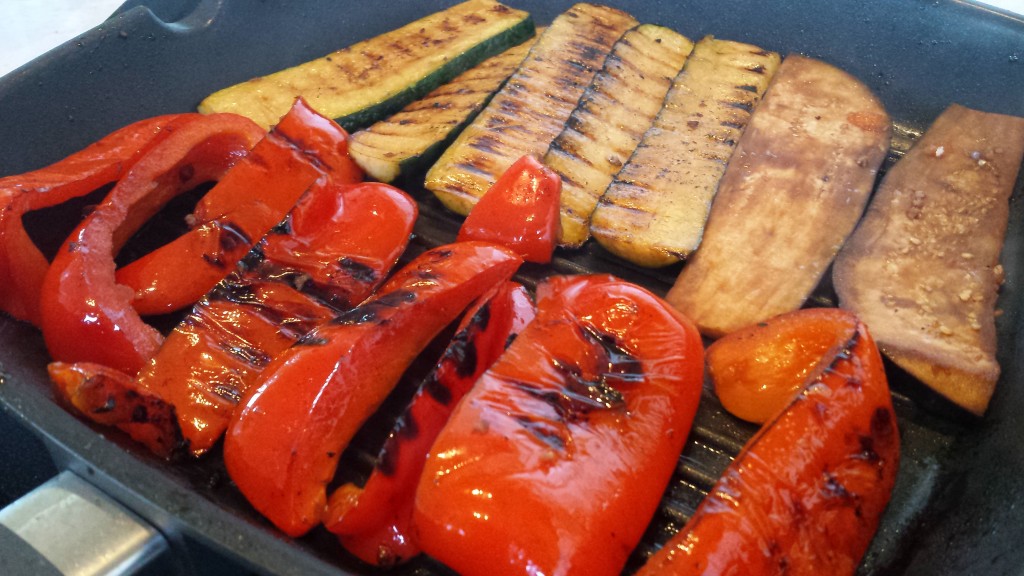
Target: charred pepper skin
(86, 316)
(806, 493)
(374, 521)
(283, 444)
(556, 460)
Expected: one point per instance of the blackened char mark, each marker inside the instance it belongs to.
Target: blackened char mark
(622, 366)
(388, 458)
(370, 312)
(358, 271)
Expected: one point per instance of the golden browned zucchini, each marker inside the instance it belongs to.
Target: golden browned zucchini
(610, 119)
(414, 137)
(369, 80)
(531, 108)
(922, 269)
(653, 212)
(794, 190)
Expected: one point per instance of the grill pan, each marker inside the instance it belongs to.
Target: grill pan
(958, 506)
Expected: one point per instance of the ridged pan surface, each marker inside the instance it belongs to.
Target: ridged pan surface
(959, 501)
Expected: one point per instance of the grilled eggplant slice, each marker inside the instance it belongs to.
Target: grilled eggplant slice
(653, 212)
(372, 79)
(922, 269)
(610, 119)
(794, 190)
(416, 135)
(533, 106)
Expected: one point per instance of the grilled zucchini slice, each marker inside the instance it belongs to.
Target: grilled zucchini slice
(795, 188)
(372, 79)
(416, 135)
(610, 119)
(653, 212)
(532, 107)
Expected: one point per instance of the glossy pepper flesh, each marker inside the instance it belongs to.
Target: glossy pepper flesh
(85, 314)
(247, 202)
(22, 265)
(283, 444)
(519, 211)
(554, 463)
(337, 245)
(374, 521)
(805, 495)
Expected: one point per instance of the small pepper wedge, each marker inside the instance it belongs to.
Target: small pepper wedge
(805, 495)
(247, 202)
(85, 315)
(284, 441)
(336, 247)
(374, 521)
(22, 265)
(520, 211)
(554, 463)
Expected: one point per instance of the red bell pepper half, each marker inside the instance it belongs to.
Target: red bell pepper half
(519, 211)
(337, 245)
(806, 493)
(248, 201)
(554, 463)
(22, 265)
(283, 445)
(374, 522)
(85, 315)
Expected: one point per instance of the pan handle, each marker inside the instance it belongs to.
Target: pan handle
(69, 527)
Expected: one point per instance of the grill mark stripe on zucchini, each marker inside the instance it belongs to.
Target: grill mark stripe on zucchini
(372, 79)
(531, 109)
(418, 133)
(610, 119)
(658, 218)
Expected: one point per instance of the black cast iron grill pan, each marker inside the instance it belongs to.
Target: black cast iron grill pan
(958, 506)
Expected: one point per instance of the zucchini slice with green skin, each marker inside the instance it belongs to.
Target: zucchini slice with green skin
(532, 107)
(610, 120)
(375, 78)
(794, 190)
(415, 136)
(653, 212)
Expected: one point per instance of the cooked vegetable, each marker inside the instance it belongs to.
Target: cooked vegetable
(337, 245)
(555, 461)
(22, 265)
(794, 190)
(85, 315)
(806, 493)
(227, 220)
(414, 137)
(372, 79)
(610, 119)
(653, 212)
(531, 108)
(922, 269)
(335, 377)
(374, 522)
(520, 211)
(758, 369)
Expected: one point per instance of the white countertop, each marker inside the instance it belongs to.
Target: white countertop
(29, 28)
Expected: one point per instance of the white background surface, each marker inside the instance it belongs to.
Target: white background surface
(29, 28)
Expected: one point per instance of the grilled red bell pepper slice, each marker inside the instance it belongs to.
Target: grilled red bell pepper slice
(110, 397)
(337, 245)
(374, 522)
(283, 444)
(248, 201)
(519, 211)
(22, 265)
(806, 493)
(554, 463)
(85, 315)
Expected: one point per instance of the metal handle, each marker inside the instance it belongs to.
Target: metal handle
(70, 527)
